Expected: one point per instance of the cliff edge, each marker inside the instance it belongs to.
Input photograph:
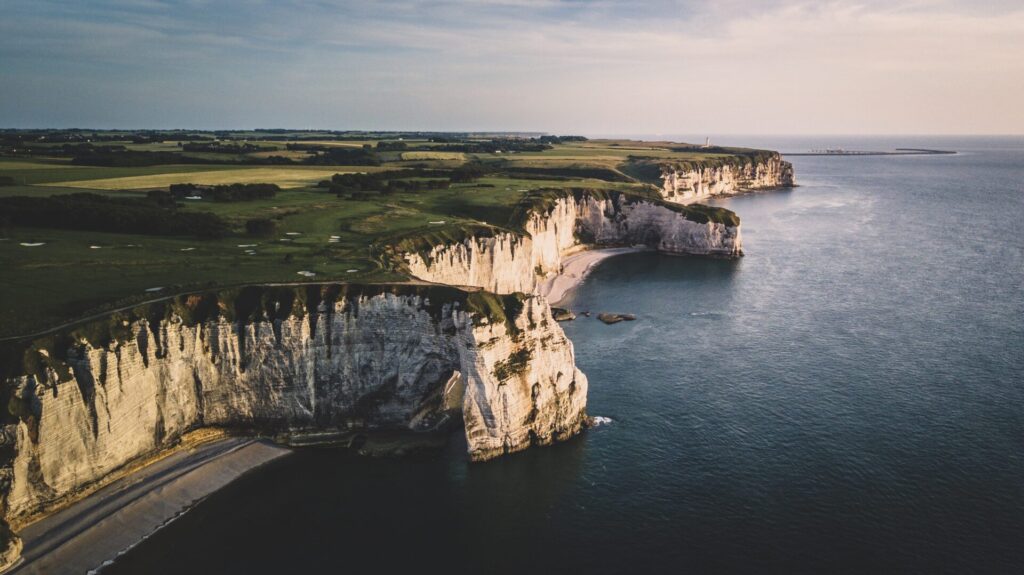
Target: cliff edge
(552, 223)
(271, 360)
(688, 182)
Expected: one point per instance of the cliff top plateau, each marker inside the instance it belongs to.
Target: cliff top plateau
(94, 221)
(295, 284)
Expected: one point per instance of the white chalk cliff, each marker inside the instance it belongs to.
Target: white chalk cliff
(410, 360)
(686, 184)
(508, 262)
(88, 401)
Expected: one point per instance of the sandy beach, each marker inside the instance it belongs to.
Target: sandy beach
(576, 267)
(90, 532)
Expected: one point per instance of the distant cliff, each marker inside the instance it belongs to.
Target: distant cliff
(554, 223)
(271, 360)
(87, 401)
(689, 182)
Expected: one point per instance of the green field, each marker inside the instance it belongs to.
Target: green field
(413, 156)
(78, 273)
(285, 177)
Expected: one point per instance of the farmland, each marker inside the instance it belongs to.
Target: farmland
(283, 177)
(335, 233)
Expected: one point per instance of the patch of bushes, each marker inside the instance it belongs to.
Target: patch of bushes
(226, 147)
(226, 192)
(467, 173)
(568, 172)
(261, 227)
(93, 212)
(516, 364)
(338, 155)
(110, 157)
(387, 182)
(489, 308)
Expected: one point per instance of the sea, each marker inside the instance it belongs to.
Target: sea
(846, 398)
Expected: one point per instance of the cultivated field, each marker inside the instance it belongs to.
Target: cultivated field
(414, 156)
(283, 177)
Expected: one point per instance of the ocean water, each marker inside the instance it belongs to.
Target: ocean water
(847, 398)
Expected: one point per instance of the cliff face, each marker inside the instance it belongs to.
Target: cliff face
(691, 183)
(510, 262)
(389, 360)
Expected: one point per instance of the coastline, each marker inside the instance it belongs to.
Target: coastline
(86, 535)
(575, 268)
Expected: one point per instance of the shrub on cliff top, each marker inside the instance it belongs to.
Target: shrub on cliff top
(495, 308)
(423, 242)
(543, 202)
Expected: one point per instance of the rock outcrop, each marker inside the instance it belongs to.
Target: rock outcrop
(273, 360)
(693, 182)
(507, 262)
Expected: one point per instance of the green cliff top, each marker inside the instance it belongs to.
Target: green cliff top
(93, 221)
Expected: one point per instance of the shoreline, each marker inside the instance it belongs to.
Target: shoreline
(88, 534)
(575, 269)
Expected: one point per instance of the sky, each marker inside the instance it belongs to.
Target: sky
(558, 66)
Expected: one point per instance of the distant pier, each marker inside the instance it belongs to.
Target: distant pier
(896, 152)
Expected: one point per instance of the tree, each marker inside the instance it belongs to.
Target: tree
(261, 227)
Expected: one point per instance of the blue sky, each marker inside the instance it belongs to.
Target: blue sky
(731, 66)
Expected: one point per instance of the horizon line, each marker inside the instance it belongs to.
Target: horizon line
(591, 135)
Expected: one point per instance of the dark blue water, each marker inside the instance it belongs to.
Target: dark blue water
(849, 397)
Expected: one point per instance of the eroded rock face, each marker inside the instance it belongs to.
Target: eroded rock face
(687, 186)
(381, 361)
(524, 386)
(508, 262)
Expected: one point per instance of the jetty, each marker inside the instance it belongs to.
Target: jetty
(895, 152)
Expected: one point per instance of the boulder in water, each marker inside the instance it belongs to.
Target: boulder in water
(562, 314)
(611, 318)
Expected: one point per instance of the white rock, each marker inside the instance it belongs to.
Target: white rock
(380, 361)
(689, 186)
(508, 263)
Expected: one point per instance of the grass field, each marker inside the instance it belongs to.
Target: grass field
(7, 165)
(289, 177)
(66, 277)
(77, 273)
(58, 173)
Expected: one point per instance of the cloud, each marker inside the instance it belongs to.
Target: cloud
(570, 66)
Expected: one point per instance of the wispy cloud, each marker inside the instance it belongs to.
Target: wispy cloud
(590, 66)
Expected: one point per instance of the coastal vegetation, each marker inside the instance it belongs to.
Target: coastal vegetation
(179, 211)
(242, 305)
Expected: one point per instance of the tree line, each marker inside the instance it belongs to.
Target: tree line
(93, 212)
(356, 185)
(224, 192)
